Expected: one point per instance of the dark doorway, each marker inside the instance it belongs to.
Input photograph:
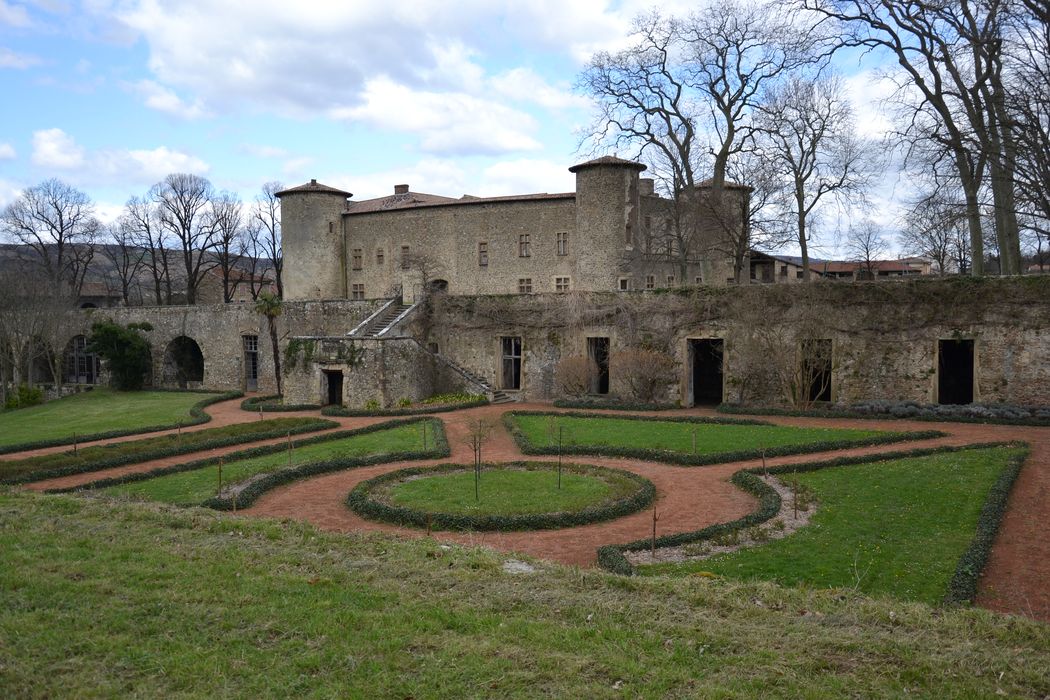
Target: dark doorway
(439, 285)
(251, 362)
(510, 365)
(816, 368)
(82, 367)
(955, 371)
(183, 362)
(334, 385)
(598, 353)
(707, 382)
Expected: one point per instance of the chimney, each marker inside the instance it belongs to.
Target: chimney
(646, 186)
(400, 189)
(313, 181)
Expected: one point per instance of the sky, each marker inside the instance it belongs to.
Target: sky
(457, 97)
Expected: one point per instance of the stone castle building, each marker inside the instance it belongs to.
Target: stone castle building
(613, 233)
(412, 294)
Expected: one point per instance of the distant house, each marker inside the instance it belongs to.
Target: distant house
(242, 281)
(767, 268)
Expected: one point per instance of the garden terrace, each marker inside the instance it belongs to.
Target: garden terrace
(101, 413)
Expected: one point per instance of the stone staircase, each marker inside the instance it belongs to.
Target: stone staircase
(382, 321)
(493, 395)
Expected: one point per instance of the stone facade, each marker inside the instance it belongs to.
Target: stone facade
(611, 233)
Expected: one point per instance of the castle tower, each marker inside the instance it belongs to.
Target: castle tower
(607, 212)
(313, 242)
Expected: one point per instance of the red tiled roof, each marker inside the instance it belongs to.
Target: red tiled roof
(418, 200)
(607, 160)
(312, 186)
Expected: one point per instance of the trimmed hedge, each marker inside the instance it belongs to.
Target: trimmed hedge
(257, 488)
(695, 460)
(906, 411)
(614, 405)
(361, 502)
(272, 404)
(197, 416)
(172, 450)
(344, 412)
(962, 588)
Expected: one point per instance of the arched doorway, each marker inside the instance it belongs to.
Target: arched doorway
(81, 366)
(183, 362)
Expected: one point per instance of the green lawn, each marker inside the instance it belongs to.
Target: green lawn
(130, 451)
(711, 438)
(502, 492)
(198, 485)
(895, 527)
(98, 411)
(101, 598)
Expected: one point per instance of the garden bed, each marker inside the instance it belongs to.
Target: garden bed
(435, 404)
(511, 496)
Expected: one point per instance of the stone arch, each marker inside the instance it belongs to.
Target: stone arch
(183, 363)
(80, 366)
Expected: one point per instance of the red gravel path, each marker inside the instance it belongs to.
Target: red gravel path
(688, 498)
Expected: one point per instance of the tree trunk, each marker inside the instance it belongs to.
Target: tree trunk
(973, 221)
(272, 323)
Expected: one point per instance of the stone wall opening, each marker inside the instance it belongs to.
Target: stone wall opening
(816, 369)
(251, 362)
(81, 366)
(955, 371)
(183, 363)
(598, 353)
(707, 380)
(332, 389)
(510, 362)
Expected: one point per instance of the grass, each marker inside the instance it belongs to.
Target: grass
(104, 598)
(503, 492)
(130, 451)
(97, 411)
(711, 438)
(885, 528)
(196, 486)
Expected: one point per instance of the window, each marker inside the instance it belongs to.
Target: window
(697, 280)
(625, 284)
(563, 243)
(251, 361)
(525, 285)
(798, 274)
(783, 270)
(561, 284)
(357, 292)
(670, 280)
(331, 227)
(483, 254)
(524, 246)
(356, 257)
(405, 255)
(650, 282)
(379, 256)
(510, 362)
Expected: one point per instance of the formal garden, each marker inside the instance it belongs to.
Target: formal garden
(853, 524)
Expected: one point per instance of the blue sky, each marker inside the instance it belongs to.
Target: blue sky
(468, 96)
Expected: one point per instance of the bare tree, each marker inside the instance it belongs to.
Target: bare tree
(226, 223)
(808, 134)
(935, 228)
(952, 87)
(57, 223)
(182, 201)
(126, 256)
(266, 234)
(866, 244)
(142, 219)
(34, 323)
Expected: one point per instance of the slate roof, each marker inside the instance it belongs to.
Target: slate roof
(312, 186)
(607, 160)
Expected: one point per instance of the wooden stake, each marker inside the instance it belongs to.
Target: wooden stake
(794, 484)
(430, 523)
(179, 435)
(219, 492)
(653, 555)
(74, 443)
(289, 449)
(424, 436)
(561, 430)
(694, 440)
(764, 471)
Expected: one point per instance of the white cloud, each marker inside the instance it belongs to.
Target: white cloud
(7, 152)
(262, 151)
(445, 122)
(868, 92)
(164, 100)
(54, 148)
(295, 166)
(11, 59)
(9, 191)
(524, 84)
(526, 176)
(13, 15)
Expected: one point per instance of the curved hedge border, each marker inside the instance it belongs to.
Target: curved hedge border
(197, 416)
(344, 412)
(614, 405)
(257, 488)
(271, 404)
(963, 586)
(691, 460)
(168, 451)
(832, 413)
(361, 503)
